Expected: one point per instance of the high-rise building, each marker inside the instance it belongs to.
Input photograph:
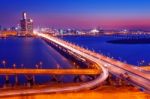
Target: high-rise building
(30, 25)
(24, 15)
(26, 25)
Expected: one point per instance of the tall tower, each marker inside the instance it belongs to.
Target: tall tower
(24, 15)
(23, 22)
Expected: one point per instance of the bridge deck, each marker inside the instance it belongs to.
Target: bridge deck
(147, 68)
(50, 71)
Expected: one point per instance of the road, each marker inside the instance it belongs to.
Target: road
(88, 85)
(145, 68)
(102, 63)
(134, 76)
(50, 71)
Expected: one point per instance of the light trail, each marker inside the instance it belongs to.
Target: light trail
(116, 67)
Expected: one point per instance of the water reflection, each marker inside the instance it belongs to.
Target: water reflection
(130, 53)
(30, 53)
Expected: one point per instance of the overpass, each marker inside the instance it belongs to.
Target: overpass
(50, 71)
(134, 76)
(146, 68)
(102, 63)
(103, 74)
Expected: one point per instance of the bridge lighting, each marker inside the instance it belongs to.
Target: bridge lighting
(22, 65)
(14, 65)
(4, 63)
(41, 63)
(100, 62)
(142, 61)
(35, 31)
(37, 66)
(58, 66)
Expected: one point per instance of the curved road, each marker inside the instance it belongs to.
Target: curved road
(84, 86)
(100, 79)
(134, 76)
(104, 64)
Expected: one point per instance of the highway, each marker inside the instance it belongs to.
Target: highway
(50, 71)
(104, 64)
(85, 86)
(145, 68)
(88, 85)
(134, 76)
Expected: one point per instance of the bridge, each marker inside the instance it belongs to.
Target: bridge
(146, 68)
(50, 71)
(99, 69)
(134, 76)
(103, 64)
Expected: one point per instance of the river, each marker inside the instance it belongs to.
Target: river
(135, 54)
(28, 52)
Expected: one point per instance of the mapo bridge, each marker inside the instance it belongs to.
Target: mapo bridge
(98, 70)
(134, 76)
(103, 66)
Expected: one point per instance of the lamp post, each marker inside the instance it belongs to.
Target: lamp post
(22, 66)
(37, 66)
(16, 77)
(6, 76)
(4, 63)
(14, 66)
(40, 63)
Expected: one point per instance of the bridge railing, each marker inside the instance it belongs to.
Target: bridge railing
(104, 58)
(50, 71)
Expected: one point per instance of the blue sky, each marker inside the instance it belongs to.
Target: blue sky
(78, 13)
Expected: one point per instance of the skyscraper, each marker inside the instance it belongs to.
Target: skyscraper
(24, 15)
(26, 25)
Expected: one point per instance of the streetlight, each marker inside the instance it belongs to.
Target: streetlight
(41, 63)
(22, 65)
(37, 66)
(14, 66)
(4, 63)
(16, 77)
(57, 66)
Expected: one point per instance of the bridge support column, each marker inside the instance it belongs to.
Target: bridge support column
(30, 81)
(55, 78)
(7, 83)
(16, 80)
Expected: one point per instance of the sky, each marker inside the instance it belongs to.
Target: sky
(108, 14)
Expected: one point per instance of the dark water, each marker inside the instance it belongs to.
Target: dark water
(130, 53)
(29, 52)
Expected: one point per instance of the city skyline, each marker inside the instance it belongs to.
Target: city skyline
(74, 49)
(108, 14)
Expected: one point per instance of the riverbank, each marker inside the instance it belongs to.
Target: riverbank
(103, 92)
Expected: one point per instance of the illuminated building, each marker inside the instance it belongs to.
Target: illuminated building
(26, 25)
(94, 32)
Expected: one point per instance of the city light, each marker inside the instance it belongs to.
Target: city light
(92, 49)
